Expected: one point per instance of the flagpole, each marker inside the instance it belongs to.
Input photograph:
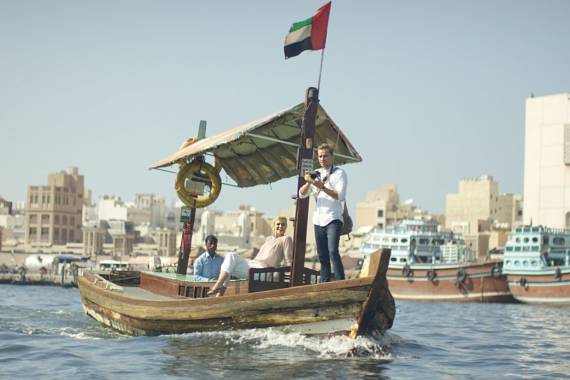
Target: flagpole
(321, 70)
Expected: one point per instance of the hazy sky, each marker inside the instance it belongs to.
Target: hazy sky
(427, 91)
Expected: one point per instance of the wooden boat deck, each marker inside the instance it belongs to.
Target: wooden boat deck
(142, 294)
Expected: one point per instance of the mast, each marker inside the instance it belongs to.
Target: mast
(188, 216)
(304, 163)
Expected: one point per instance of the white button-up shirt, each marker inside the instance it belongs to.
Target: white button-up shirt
(328, 208)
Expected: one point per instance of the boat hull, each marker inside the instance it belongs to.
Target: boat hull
(135, 311)
(481, 282)
(541, 288)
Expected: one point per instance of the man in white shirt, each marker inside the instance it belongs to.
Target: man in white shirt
(328, 185)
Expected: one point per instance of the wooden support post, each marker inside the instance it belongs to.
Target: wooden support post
(186, 245)
(304, 162)
(188, 229)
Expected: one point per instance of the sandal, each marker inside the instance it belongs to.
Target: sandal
(221, 289)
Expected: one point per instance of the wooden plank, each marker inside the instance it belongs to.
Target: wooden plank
(379, 308)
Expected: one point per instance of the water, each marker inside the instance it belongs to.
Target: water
(44, 334)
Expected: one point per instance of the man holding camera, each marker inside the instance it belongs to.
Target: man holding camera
(328, 185)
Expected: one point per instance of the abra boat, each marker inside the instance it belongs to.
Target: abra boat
(429, 265)
(537, 264)
(278, 146)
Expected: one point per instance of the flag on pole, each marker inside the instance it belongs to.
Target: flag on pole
(310, 34)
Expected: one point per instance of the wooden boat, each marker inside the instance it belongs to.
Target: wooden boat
(537, 265)
(144, 303)
(159, 303)
(429, 265)
(471, 282)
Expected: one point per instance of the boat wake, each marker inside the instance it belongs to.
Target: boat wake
(326, 347)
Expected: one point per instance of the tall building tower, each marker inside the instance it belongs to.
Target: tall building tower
(53, 212)
(547, 161)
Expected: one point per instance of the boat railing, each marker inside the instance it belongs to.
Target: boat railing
(271, 278)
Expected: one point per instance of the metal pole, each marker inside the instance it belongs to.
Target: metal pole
(304, 162)
(321, 69)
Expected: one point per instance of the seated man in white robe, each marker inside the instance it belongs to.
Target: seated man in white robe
(277, 248)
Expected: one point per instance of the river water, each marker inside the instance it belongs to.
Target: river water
(44, 334)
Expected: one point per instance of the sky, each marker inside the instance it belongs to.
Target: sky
(428, 92)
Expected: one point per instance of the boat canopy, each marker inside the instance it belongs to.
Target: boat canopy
(265, 150)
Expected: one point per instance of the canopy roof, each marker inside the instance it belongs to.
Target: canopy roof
(265, 150)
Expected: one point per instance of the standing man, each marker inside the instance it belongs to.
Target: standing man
(207, 265)
(328, 185)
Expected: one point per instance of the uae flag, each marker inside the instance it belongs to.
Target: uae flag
(310, 34)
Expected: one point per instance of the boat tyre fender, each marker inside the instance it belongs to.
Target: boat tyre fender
(431, 275)
(523, 282)
(558, 274)
(461, 277)
(406, 271)
(496, 271)
(187, 171)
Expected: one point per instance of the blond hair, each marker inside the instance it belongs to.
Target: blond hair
(278, 218)
(327, 147)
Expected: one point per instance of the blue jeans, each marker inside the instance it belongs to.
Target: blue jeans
(327, 239)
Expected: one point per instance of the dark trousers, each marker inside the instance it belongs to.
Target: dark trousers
(327, 239)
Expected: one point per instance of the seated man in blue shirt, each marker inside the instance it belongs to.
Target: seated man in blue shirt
(207, 265)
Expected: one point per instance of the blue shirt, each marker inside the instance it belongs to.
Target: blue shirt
(207, 267)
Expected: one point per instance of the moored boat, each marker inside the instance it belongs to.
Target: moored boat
(537, 264)
(430, 265)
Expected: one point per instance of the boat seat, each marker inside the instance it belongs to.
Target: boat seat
(271, 278)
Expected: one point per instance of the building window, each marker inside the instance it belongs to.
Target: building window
(380, 213)
(33, 219)
(45, 218)
(32, 232)
(72, 221)
(56, 219)
(64, 220)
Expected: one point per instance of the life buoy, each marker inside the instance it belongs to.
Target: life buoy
(496, 271)
(187, 170)
(431, 275)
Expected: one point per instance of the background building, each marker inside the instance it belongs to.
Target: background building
(484, 216)
(54, 212)
(547, 161)
(382, 208)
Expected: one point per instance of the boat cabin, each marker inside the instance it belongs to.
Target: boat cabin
(113, 265)
(414, 241)
(537, 247)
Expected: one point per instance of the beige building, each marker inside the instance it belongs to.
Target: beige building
(478, 204)
(167, 242)
(53, 212)
(547, 161)
(93, 239)
(382, 208)
(482, 214)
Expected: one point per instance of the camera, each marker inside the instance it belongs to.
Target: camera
(316, 174)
